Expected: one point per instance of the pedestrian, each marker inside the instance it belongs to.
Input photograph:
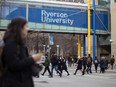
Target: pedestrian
(54, 63)
(84, 62)
(89, 64)
(102, 65)
(46, 64)
(112, 61)
(15, 55)
(64, 66)
(106, 63)
(96, 62)
(79, 66)
(69, 61)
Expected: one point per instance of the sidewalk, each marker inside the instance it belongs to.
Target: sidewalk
(107, 79)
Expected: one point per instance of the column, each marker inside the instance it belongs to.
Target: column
(84, 45)
(79, 45)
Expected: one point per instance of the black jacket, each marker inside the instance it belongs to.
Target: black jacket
(18, 64)
(79, 64)
(54, 60)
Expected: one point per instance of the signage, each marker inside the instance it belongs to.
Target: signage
(51, 40)
(56, 17)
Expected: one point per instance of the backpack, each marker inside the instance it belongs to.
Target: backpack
(47, 62)
(89, 60)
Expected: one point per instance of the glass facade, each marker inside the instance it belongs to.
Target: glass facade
(39, 17)
(10, 8)
(103, 2)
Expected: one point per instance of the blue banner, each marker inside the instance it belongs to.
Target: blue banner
(70, 17)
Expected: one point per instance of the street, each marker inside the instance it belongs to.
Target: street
(88, 80)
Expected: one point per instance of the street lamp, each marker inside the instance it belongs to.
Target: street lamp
(111, 40)
(44, 49)
(48, 50)
(57, 49)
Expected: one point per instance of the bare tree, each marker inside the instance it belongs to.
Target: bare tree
(35, 41)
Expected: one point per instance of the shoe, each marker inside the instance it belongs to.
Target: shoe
(83, 73)
(60, 75)
(50, 76)
(74, 73)
(42, 74)
(68, 74)
(91, 72)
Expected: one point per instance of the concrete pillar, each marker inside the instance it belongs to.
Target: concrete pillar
(113, 29)
(84, 45)
(79, 45)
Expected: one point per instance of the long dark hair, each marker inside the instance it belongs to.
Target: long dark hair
(14, 29)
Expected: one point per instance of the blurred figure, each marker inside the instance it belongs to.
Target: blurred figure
(106, 63)
(46, 64)
(54, 63)
(69, 61)
(59, 69)
(96, 62)
(79, 66)
(89, 64)
(112, 61)
(15, 55)
(102, 64)
(64, 66)
(84, 62)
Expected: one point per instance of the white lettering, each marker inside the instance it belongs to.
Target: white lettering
(55, 17)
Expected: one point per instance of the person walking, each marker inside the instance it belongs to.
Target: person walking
(112, 61)
(46, 64)
(59, 69)
(15, 56)
(96, 62)
(89, 64)
(79, 66)
(102, 64)
(54, 63)
(64, 66)
(69, 61)
(84, 62)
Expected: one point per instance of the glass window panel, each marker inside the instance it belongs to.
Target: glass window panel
(10, 11)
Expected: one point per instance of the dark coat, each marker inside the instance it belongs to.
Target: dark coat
(54, 60)
(89, 61)
(47, 62)
(64, 67)
(112, 61)
(18, 64)
(84, 61)
(102, 63)
(79, 66)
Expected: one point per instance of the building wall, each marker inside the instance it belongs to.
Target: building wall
(113, 29)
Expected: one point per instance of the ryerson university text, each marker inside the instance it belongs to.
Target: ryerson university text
(55, 17)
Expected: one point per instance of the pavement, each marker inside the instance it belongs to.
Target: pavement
(107, 79)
